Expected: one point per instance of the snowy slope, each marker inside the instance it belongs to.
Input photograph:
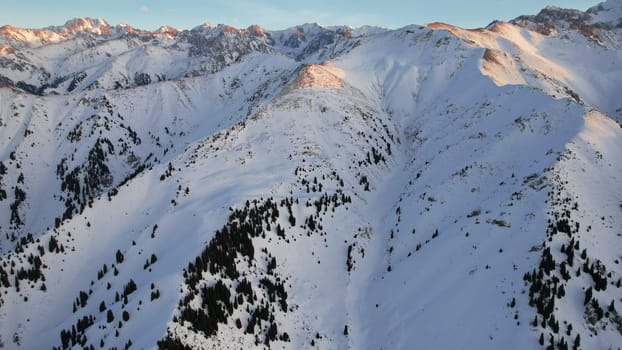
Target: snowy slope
(316, 187)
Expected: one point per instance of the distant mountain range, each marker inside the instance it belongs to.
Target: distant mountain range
(320, 187)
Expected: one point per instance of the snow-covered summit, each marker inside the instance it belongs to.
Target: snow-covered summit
(71, 28)
(96, 26)
(76, 28)
(553, 19)
(609, 12)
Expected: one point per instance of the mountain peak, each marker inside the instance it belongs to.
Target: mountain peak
(308, 28)
(606, 5)
(609, 12)
(57, 33)
(552, 8)
(167, 31)
(204, 26)
(85, 25)
(323, 76)
(256, 30)
(227, 28)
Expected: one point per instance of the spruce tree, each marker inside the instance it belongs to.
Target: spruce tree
(577, 342)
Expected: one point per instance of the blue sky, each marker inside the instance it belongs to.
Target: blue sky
(273, 14)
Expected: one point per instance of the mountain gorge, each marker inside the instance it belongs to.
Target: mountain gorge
(314, 187)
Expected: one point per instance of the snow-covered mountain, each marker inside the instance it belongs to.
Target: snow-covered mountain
(315, 187)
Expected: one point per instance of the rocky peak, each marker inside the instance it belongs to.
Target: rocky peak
(256, 30)
(553, 20)
(307, 39)
(85, 25)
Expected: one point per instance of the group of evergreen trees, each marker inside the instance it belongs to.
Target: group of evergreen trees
(17, 266)
(89, 180)
(18, 193)
(548, 282)
(3, 171)
(76, 335)
(69, 338)
(20, 197)
(218, 301)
